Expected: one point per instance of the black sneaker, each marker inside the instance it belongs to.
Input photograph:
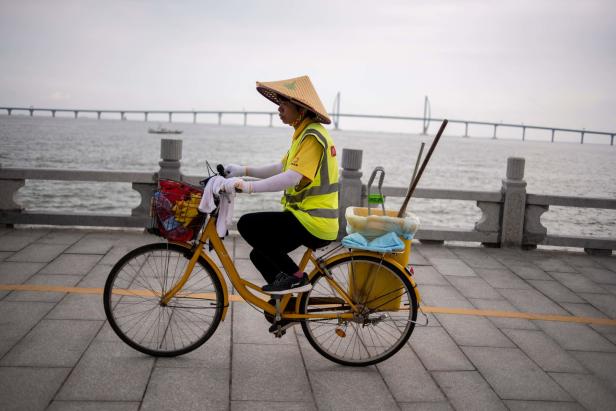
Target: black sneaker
(285, 284)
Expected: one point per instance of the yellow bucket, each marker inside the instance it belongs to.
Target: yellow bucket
(380, 290)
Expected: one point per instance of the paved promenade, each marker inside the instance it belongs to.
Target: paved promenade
(58, 353)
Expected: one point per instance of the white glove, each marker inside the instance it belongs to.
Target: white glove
(233, 170)
(235, 184)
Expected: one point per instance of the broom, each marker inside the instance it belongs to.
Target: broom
(414, 181)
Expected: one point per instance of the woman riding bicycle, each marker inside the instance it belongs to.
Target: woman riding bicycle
(308, 175)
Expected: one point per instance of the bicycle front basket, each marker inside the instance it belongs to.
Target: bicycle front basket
(175, 214)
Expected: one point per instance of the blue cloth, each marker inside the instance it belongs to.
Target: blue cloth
(387, 243)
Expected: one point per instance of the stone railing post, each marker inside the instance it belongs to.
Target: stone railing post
(514, 203)
(170, 154)
(350, 186)
(8, 189)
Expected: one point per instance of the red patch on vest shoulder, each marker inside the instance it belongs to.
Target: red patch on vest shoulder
(333, 151)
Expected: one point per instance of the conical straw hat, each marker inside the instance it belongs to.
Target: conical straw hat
(299, 90)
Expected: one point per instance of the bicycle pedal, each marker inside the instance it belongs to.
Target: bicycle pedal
(280, 330)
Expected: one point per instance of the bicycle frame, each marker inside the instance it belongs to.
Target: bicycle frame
(243, 286)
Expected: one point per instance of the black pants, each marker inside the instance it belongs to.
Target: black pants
(273, 235)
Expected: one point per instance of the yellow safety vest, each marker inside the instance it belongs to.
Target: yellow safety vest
(316, 205)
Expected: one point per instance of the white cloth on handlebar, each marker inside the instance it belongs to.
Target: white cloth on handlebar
(214, 187)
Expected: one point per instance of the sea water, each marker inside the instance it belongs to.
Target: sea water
(567, 169)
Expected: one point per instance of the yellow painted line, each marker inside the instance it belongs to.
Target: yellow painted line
(517, 314)
(237, 298)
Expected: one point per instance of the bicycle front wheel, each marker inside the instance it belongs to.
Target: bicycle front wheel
(135, 310)
(382, 321)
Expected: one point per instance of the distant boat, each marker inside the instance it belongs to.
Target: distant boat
(162, 130)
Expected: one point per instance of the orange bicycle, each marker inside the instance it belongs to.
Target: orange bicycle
(168, 298)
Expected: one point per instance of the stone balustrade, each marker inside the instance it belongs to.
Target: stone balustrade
(510, 217)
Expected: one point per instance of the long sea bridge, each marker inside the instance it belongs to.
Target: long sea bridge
(426, 119)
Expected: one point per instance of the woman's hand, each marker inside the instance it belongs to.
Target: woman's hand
(233, 170)
(235, 184)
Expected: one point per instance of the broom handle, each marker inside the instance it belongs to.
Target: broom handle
(421, 169)
(421, 149)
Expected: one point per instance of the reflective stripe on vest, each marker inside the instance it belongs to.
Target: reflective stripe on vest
(318, 212)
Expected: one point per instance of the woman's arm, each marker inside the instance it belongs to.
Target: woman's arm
(278, 182)
(264, 171)
(233, 170)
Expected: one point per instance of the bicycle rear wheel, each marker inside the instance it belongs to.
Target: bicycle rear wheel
(383, 321)
(133, 300)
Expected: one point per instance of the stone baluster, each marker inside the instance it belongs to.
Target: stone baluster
(170, 154)
(489, 222)
(350, 185)
(514, 203)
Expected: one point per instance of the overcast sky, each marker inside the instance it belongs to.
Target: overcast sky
(543, 62)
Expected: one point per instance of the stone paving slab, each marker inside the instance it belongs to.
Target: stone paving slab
(272, 406)
(443, 296)
(350, 390)
(602, 365)
(578, 337)
(438, 351)
(187, 389)
(66, 237)
(513, 375)
(38, 253)
(406, 378)
(587, 390)
(71, 264)
(23, 388)
(452, 267)
(427, 275)
(52, 280)
(79, 307)
(474, 287)
(94, 406)
(532, 301)
(425, 406)
(555, 291)
(599, 275)
(108, 371)
(91, 245)
(503, 305)
(473, 331)
(544, 351)
(477, 258)
(467, 390)
(606, 303)
(516, 405)
(53, 343)
(577, 282)
(258, 371)
(15, 240)
(18, 272)
(502, 278)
